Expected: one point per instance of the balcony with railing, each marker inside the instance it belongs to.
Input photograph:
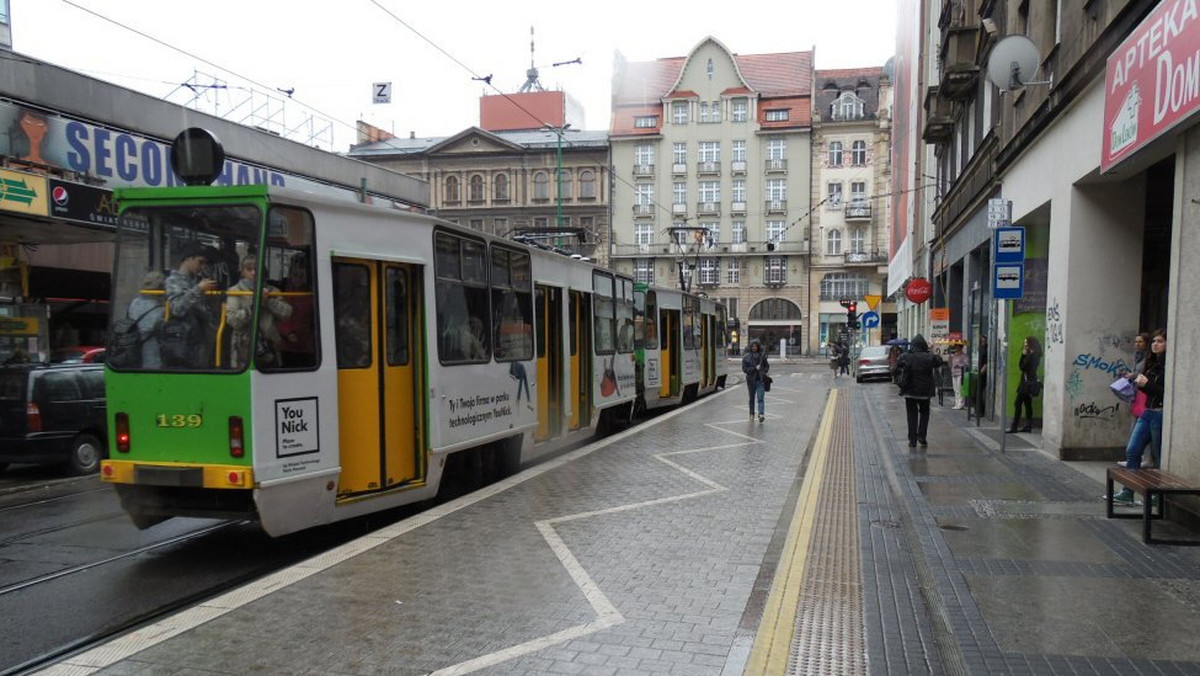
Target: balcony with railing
(939, 117)
(643, 210)
(708, 168)
(775, 206)
(960, 72)
(708, 208)
(679, 209)
(643, 170)
(775, 166)
(737, 208)
(858, 211)
(869, 257)
(679, 169)
(738, 167)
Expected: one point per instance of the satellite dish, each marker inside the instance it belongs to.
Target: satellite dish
(1013, 63)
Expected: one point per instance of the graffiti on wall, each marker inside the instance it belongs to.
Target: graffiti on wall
(1093, 410)
(1054, 324)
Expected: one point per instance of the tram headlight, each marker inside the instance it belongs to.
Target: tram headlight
(237, 437)
(122, 421)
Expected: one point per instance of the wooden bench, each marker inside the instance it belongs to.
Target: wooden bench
(1150, 483)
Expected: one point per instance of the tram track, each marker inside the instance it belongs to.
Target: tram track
(56, 498)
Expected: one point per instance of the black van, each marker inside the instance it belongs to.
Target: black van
(53, 413)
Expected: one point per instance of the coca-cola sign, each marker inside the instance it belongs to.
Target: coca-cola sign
(919, 290)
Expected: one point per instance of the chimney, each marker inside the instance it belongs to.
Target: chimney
(412, 134)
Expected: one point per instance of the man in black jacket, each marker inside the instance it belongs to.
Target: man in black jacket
(914, 374)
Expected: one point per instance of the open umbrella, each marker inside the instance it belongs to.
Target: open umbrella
(902, 342)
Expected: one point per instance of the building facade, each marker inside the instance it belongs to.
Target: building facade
(510, 183)
(848, 226)
(711, 155)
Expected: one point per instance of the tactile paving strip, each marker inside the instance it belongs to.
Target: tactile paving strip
(829, 635)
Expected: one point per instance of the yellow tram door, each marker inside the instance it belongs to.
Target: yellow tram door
(579, 330)
(670, 351)
(549, 361)
(377, 334)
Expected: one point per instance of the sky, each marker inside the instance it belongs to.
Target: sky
(429, 51)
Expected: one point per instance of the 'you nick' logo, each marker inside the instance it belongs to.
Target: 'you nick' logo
(1125, 125)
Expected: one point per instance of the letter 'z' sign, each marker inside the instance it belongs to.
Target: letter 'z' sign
(381, 92)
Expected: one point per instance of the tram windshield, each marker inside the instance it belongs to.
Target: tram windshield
(179, 269)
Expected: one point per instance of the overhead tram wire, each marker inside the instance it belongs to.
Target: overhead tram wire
(213, 64)
(475, 76)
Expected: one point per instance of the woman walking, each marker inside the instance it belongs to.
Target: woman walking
(914, 375)
(1151, 382)
(756, 366)
(1029, 387)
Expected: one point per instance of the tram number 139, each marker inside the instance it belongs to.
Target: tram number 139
(179, 420)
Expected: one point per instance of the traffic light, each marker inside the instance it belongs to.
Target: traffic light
(852, 314)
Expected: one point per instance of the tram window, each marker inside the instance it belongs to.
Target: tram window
(289, 268)
(604, 313)
(397, 316)
(175, 266)
(689, 324)
(352, 315)
(462, 300)
(625, 335)
(512, 307)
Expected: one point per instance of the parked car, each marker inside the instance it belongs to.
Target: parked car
(53, 413)
(80, 354)
(871, 362)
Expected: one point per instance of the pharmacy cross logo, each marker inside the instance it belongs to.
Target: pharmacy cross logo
(1125, 124)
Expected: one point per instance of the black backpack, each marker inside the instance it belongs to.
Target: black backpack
(903, 376)
(124, 349)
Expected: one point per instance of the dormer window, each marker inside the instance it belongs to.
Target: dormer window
(847, 107)
(711, 69)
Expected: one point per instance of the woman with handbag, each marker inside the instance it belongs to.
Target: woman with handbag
(755, 366)
(1151, 387)
(1030, 386)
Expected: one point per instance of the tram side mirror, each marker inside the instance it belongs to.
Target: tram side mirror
(197, 156)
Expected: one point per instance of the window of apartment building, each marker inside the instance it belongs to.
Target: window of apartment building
(835, 153)
(679, 151)
(858, 153)
(587, 223)
(710, 271)
(541, 186)
(847, 107)
(776, 231)
(833, 242)
(500, 226)
(714, 231)
(776, 270)
(679, 112)
(835, 195)
(738, 232)
(710, 151)
(643, 233)
(475, 188)
(587, 184)
(566, 184)
(643, 194)
(858, 240)
(776, 149)
(778, 115)
(716, 111)
(704, 111)
(733, 271)
(541, 221)
(643, 154)
(500, 187)
(844, 285)
(680, 191)
(710, 191)
(645, 121)
(858, 193)
(451, 187)
(565, 222)
(739, 110)
(643, 270)
(739, 190)
(739, 151)
(776, 189)
(476, 224)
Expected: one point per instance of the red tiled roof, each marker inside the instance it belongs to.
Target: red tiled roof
(782, 74)
(850, 72)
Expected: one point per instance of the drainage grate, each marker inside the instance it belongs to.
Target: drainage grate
(829, 635)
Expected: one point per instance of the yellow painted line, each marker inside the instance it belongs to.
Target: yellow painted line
(772, 644)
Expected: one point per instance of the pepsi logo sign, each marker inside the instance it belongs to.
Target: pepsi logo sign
(60, 195)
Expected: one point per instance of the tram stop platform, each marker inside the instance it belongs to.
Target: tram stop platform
(701, 542)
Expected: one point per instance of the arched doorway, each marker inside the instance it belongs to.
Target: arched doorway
(773, 320)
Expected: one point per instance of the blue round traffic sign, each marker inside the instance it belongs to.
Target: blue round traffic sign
(870, 320)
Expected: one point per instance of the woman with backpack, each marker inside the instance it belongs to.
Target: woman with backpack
(914, 374)
(756, 366)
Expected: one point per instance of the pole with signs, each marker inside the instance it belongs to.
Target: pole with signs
(1008, 284)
